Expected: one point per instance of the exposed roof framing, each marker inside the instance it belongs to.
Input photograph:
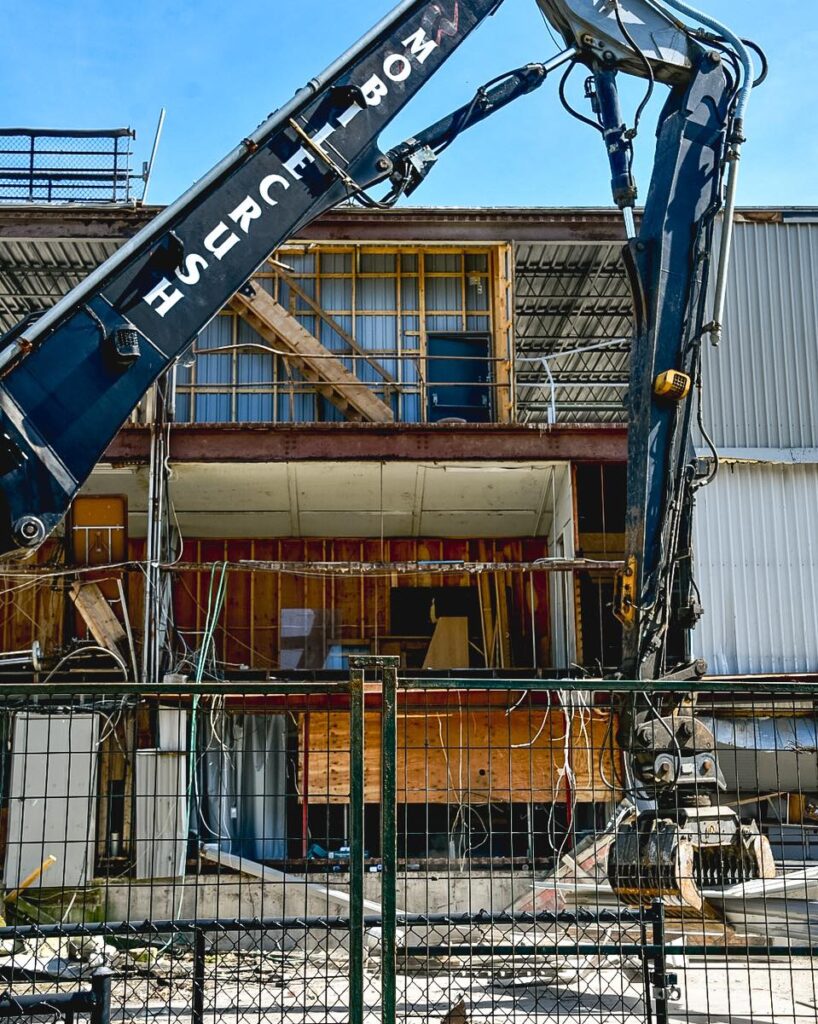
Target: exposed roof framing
(35, 273)
(573, 329)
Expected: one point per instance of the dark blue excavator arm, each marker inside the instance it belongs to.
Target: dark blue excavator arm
(71, 377)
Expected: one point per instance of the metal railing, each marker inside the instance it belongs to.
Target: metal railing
(385, 847)
(287, 397)
(40, 165)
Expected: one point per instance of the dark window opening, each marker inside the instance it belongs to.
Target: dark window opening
(414, 611)
(601, 497)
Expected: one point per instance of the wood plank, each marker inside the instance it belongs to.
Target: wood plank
(449, 647)
(105, 627)
(315, 362)
(331, 322)
(502, 262)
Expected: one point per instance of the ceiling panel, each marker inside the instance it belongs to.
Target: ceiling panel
(358, 499)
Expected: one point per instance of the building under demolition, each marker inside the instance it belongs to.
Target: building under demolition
(407, 442)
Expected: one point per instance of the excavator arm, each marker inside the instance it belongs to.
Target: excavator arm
(678, 840)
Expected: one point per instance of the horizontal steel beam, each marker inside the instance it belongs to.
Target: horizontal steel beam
(406, 442)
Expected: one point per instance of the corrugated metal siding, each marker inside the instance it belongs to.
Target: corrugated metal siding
(757, 569)
(761, 388)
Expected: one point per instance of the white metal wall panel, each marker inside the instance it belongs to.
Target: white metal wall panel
(761, 386)
(561, 545)
(161, 814)
(757, 568)
(52, 799)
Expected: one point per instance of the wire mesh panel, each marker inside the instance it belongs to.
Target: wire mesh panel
(168, 837)
(391, 849)
(58, 166)
(567, 874)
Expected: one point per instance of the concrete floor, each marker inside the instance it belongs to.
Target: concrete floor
(294, 988)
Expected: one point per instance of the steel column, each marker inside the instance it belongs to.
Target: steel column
(389, 836)
(356, 843)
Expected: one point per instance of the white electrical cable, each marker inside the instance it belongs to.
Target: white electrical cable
(83, 650)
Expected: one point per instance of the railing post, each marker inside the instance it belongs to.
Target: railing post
(197, 1004)
(389, 838)
(101, 988)
(356, 842)
(659, 978)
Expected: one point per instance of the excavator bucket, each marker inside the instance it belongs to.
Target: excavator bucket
(676, 858)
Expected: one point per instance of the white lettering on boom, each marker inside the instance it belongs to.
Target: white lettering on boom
(397, 68)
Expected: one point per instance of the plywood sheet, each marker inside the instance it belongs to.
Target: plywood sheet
(471, 756)
(450, 644)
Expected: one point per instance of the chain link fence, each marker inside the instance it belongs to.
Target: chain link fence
(382, 848)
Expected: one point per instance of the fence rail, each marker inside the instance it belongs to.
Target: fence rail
(389, 848)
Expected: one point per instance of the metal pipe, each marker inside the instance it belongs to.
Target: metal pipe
(149, 170)
(101, 983)
(725, 248)
(356, 846)
(389, 833)
(197, 1007)
(733, 156)
(552, 404)
(126, 616)
(659, 979)
(26, 657)
(153, 554)
(305, 789)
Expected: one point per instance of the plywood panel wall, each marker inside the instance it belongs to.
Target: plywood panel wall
(470, 756)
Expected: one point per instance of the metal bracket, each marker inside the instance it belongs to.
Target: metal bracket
(319, 151)
(365, 661)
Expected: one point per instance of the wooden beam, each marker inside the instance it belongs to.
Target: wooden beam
(316, 364)
(331, 322)
(502, 310)
(105, 627)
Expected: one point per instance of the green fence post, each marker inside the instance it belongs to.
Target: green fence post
(389, 837)
(356, 842)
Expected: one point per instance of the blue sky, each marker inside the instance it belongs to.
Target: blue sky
(220, 67)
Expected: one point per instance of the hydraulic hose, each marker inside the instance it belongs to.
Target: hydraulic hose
(741, 50)
(733, 157)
